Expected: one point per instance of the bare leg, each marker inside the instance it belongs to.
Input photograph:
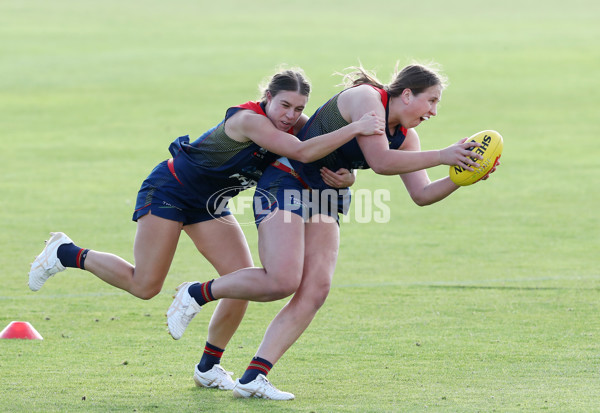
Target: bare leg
(223, 244)
(322, 243)
(281, 248)
(154, 247)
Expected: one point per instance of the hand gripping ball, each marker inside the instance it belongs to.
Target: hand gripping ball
(490, 149)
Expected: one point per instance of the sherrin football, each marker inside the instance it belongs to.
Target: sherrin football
(490, 149)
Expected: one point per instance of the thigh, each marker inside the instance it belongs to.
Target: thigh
(322, 237)
(278, 190)
(222, 242)
(320, 257)
(281, 242)
(154, 247)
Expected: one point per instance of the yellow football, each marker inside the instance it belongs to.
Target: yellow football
(490, 149)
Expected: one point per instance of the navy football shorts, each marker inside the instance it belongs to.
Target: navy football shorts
(165, 197)
(278, 189)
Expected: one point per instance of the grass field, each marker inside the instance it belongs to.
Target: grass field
(485, 302)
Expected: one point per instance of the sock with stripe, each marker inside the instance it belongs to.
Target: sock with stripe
(212, 355)
(202, 292)
(257, 366)
(70, 255)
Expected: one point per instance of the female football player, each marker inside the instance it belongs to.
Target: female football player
(298, 229)
(188, 192)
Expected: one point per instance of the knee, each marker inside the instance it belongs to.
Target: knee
(314, 294)
(145, 291)
(284, 288)
(307, 302)
(319, 295)
(285, 282)
(146, 294)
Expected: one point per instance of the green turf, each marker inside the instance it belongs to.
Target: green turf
(485, 302)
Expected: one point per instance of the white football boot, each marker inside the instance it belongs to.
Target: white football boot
(216, 377)
(182, 310)
(260, 388)
(47, 263)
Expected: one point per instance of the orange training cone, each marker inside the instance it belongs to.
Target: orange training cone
(20, 329)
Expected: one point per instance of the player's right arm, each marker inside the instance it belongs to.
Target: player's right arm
(261, 131)
(355, 102)
(420, 188)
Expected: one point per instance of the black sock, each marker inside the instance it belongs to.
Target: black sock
(257, 366)
(202, 292)
(212, 355)
(70, 255)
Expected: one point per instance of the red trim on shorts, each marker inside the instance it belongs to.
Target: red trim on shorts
(145, 206)
(172, 170)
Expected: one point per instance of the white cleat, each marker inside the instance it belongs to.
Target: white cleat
(260, 388)
(182, 310)
(216, 377)
(47, 263)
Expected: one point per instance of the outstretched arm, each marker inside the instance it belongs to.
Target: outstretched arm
(422, 191)
(385, 161)
(355, 102)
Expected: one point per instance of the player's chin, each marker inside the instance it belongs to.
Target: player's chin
(284, 126)
(419, 121)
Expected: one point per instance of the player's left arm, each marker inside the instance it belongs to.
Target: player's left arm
(422, 191)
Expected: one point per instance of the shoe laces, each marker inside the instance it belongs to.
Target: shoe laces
(184, 306)
(222, 371)
(266, 385)
(188, 306)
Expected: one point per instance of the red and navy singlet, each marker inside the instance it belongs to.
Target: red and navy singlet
(328, 119)
(214, 161)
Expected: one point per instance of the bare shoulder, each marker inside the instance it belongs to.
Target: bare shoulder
(362, 92)
(356, 101)
(241, 124)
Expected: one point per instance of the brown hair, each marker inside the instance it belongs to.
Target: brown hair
(416, 77)
(292, 80)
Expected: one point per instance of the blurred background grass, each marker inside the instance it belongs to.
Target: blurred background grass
(485, 301)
